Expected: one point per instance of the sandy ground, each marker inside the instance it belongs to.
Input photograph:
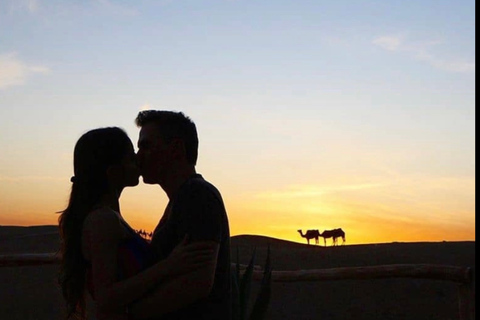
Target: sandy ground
(32, 292)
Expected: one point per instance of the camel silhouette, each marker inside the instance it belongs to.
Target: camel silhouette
(310, 234)
(334, 234)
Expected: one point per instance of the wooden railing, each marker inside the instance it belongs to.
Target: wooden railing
(28, 259)
(463, 276)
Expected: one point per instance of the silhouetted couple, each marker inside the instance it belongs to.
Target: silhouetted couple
(184, 272)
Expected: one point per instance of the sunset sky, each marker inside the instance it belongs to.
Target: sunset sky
(312, 114)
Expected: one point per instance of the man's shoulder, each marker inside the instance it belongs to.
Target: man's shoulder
(198, 185)
(197, 180)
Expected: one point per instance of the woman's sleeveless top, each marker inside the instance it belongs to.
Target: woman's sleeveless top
(133, 255)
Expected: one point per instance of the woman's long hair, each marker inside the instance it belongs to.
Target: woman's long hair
(94, 152)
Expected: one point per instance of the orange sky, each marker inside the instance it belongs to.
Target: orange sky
(368, 213)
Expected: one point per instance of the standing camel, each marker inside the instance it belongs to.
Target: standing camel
(338, 233)
(310, 234)
(334, 234)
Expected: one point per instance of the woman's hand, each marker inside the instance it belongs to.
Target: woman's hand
(187, 257)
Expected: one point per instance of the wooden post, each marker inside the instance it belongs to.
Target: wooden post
(419, 271)
(28, 259)
(466, 299)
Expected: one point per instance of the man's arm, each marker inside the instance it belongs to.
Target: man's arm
(102, 232)
(178, 292)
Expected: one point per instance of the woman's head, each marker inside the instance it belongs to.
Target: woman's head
(103, 157)
(104, 162)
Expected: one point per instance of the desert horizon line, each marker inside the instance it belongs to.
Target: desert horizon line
(329, 243)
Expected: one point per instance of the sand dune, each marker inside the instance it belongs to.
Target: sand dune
(32, 292)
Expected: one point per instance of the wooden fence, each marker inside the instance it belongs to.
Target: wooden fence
(463, 276)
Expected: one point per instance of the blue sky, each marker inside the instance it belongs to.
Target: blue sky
(288, 96)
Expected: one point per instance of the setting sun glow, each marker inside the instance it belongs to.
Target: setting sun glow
(310, 115)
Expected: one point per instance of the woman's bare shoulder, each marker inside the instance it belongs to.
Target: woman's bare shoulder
(101, 225)
(102, 220)
(99, 215)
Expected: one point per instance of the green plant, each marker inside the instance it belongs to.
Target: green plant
(241, 290)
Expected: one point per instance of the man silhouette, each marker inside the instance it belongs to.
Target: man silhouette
(167, 156)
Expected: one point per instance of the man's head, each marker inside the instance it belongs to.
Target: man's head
(168, 142)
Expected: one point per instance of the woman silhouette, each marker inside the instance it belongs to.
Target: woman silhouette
(100, 252)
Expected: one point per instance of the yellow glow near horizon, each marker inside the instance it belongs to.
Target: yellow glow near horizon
(374, 212)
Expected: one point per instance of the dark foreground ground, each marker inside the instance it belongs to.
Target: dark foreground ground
(32, 292)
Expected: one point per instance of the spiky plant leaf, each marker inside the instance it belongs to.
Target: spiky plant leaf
(260, 307)
(268, 266)
(235, 296)
(238, 267)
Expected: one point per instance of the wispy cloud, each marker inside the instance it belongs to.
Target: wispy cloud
(422, 52)
(30, 6)
(14, 72)
(314, 191)
(391, 43)
(453, 66)
(116, 8)
(109, 7)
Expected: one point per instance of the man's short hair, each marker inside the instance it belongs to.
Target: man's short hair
(172, 125)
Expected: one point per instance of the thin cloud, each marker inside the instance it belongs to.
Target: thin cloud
(39, 69)
(421, 52)
(31, 6)
(115, 8)
(315, 191)
(104, 6)
(390, 43)
(452, 66)
(14, 72)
